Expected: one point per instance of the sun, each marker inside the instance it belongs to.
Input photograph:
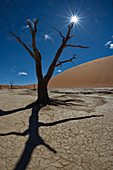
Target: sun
(74, 19)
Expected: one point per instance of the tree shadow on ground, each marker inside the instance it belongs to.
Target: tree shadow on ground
(34, 139)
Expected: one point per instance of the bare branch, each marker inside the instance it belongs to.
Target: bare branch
(36, 53)
(35, 24)
(58, 53)
(59, 33)
(69, 30)
(61, 62)
(33, 32)
(30, 45)
(70, 45)
(20, 41)
(29, 25)
(71, 36)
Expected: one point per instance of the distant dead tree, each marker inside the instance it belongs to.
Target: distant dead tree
(34, 86)
(43, 97)
(11, 83)
(0, 86)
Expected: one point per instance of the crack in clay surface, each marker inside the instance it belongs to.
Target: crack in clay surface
(84, 144)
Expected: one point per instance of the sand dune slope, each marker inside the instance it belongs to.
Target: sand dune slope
(96, 73)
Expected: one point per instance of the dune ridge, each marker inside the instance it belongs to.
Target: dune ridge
(96, 73)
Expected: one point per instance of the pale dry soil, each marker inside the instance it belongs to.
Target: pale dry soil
(81, 144)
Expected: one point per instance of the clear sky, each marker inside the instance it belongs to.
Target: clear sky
(95, 29)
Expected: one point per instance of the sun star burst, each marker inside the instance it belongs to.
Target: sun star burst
(74, 19)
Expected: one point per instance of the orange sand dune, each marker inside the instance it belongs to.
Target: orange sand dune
(96, 73)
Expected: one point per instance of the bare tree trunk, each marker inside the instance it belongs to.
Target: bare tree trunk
(43, 97)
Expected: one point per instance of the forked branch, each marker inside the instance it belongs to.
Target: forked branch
(69, 30)
(35, 25)
(65, 61)
(29, 25)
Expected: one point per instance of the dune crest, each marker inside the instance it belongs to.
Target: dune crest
(96, 73)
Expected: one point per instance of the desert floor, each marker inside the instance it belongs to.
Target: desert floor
(80, 131)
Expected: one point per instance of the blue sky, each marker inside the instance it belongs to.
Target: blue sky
(95, 29)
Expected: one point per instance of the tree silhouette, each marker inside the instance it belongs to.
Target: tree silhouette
(11, 83)
(34, 86)
(34, 139)
(43, 97)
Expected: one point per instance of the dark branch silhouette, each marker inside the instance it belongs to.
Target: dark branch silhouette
(70, 119)
(4, 113)
(39, 124)
(15, 133)
(43, 96)
(60, 33)
(79, 46)
(35, 139)
(20, 41)
(62, 62)
(54, 102)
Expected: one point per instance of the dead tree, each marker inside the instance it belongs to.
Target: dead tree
(34, 87)
(11, 83)
(43, 96)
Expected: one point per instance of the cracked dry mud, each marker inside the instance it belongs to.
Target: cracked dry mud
(81, 142)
